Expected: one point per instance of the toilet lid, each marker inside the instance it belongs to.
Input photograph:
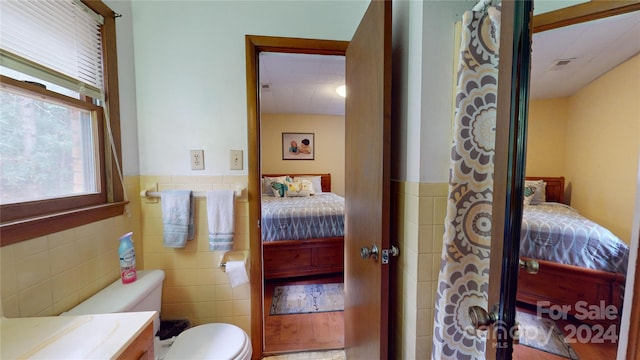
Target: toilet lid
(209, 341)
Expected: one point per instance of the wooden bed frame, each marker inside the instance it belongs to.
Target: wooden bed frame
(565, 285)
(291, 258)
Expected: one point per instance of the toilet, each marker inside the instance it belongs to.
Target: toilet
(208, 341)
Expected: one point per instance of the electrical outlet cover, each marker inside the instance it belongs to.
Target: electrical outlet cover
(197, 159)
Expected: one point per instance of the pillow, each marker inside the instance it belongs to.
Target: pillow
(267, 182)
(278, 189)
(316, 182)
(529, 192)
(539, 193)
(298, 188)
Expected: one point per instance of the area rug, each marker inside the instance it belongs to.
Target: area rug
(304, 299)
(543, 334)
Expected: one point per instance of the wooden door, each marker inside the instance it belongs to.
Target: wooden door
(367, 184)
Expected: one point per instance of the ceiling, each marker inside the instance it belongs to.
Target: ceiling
(593, 48)
(301, 84)
(305, 84)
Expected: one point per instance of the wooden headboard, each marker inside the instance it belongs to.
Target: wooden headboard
(325, 179)
(555, 187)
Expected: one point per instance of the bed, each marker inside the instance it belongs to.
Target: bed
(304, 235)
(588, 267)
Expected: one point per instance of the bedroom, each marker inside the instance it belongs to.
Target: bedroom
(291, 109)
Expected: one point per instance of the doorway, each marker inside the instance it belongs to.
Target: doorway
(539, 24)
(558, 80)
(255, 45)
(302, 129)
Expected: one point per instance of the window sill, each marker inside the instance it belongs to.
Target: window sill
(16, 231)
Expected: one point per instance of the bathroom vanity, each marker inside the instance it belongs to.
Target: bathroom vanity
(99, 336)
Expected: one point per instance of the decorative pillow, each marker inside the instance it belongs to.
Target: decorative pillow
(267, 184)
(315, 181)
(278, 189)
(529, 192)
(299, 188)
(538, 195)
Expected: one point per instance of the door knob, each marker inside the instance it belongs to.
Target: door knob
(480, 318)
(366, 253)
(531, 266)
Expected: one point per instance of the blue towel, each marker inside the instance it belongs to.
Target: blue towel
(177, 217)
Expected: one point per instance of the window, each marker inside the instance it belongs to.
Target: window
(57, 168)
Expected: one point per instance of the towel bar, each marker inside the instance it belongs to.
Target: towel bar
(150, 193)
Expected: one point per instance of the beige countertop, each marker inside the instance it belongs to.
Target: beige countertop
(100, 336)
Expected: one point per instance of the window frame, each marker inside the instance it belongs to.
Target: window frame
(16, 222)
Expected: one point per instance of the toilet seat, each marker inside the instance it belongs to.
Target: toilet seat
(211, 341)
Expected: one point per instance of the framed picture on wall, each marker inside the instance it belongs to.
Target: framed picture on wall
(298, 146)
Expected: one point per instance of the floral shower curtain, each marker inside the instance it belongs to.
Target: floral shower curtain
(464, 270)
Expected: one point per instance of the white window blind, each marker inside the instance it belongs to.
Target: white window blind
(58, 41)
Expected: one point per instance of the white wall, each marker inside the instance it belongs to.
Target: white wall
(190, 72)
(423, 34)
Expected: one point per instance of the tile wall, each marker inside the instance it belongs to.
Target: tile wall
(51, 274)
(194, 287)
(420, 219)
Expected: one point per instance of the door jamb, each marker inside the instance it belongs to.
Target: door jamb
(254, 45)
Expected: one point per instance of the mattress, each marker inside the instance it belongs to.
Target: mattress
(557, 232)
(299, 218)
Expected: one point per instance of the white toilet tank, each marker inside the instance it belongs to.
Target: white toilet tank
(144, 294)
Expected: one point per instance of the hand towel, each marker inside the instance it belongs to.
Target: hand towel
(220, 215)
(177, 217)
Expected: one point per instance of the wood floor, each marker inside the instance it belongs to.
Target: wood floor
(302, 332)
(586, 350)
(325, 331)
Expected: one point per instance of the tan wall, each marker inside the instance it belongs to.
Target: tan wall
(329, 147)
(547, 131)
(603, 143)
(421, 212)
(194, 287)
(593, 139)
(51, 274)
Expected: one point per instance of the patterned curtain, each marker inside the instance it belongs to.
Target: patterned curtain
(464, 270)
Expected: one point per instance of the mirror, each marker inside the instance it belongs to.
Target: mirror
(581, 108)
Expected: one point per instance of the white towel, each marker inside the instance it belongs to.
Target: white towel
(177, 217)
(220, 215)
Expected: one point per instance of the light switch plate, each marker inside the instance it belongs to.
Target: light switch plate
(235, 160)
(197, 159)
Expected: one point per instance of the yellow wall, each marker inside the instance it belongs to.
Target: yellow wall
(329, 146)
(547, 131)
(603, 142)
(593, 139)
(51, 274)
(194, 287)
